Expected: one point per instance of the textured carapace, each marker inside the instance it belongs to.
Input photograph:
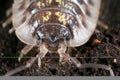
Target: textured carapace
(55, 22)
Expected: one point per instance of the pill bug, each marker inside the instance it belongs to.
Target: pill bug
(53, 25)
(54, 21)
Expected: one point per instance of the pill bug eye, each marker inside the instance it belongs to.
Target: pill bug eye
(68, 37)
(38, 36)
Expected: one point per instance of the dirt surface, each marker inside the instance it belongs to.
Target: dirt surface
(102, 48)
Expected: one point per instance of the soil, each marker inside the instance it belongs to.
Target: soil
(102, 48)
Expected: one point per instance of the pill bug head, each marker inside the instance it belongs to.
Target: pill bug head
(52, 35)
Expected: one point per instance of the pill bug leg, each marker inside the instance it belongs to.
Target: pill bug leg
(28, 64)
(102, 25)
(24, 51)
(7, 22)
(9, 19)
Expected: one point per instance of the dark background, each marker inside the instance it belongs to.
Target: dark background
(105, 51)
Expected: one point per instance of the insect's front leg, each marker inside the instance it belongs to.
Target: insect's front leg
(66, 57)
(62, 54)
(24, 51)
(43, 52)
